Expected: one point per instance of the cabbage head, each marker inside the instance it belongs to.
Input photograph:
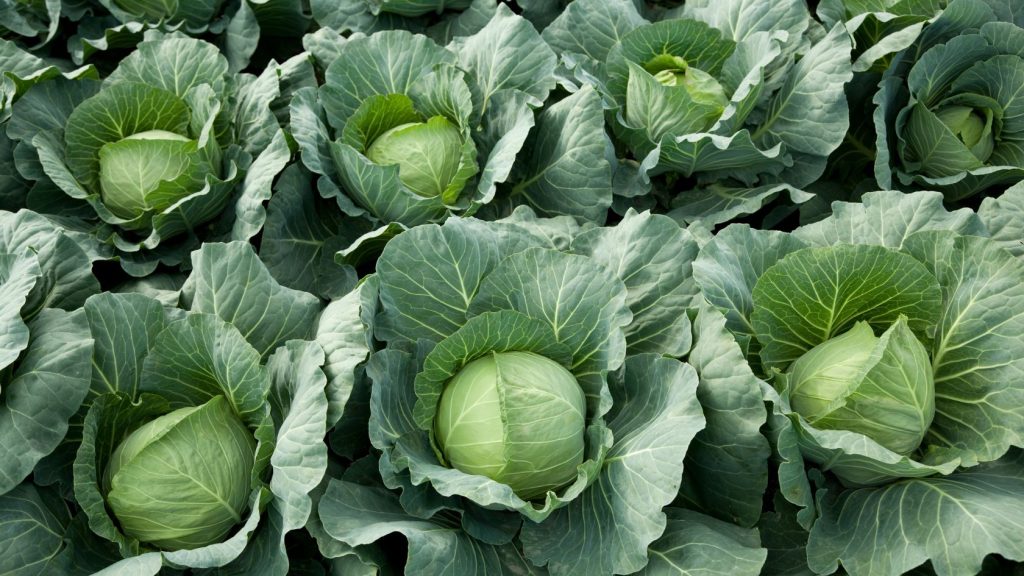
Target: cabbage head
(517, 418)
(203, 455)
(407, 130)
(712, 113)
(199, 445)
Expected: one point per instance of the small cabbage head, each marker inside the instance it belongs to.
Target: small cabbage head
(148, 171)
(428, 154)
(702, 87)
(881, 387)
(202, 457)
(515, 417)
(972, 126)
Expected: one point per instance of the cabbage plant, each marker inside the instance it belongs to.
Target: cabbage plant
(527, 385)
(34, 20)
(219, 401)
(23, 70)
(726, 102)
(891, 334)
(370, 16)
(167, 151)
(405, 131)
(45, 346)
(239, 26)
(946, 107)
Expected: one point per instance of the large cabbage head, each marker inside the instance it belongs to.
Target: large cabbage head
(881, 387)
(504, 389)
(515, 417)
(203, 456)
(160, 149)
(887, 329)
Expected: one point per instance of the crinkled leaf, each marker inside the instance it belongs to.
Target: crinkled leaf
(230, 281)
(654, 258)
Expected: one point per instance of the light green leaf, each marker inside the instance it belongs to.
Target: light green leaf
(490, 332)
(816, 293)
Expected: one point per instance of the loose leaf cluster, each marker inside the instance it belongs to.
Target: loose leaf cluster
(496, 287)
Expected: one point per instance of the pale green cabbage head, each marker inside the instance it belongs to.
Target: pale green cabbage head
(515, 417)
(182, 480)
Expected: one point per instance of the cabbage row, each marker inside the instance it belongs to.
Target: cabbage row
(480, 287)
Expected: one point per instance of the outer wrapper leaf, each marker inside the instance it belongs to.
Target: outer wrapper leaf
(654, 418)
(358, 514)
(230, 281)
(43, 392)
(693, 542)
(726, 470)
(978, 509)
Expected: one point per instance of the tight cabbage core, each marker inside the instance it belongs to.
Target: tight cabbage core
(702, 87)
(515, 417)
(428, 154)
(133, 169)
(881, 387)
(972, 127)
(182, 480)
